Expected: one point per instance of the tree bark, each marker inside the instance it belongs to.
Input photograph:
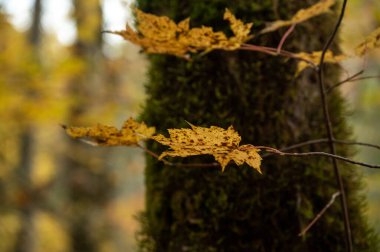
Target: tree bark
(198, 209)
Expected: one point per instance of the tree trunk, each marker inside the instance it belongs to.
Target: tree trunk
(85, 172)
(198, 209)
(26, 235)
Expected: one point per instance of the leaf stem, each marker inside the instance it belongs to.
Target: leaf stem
(284, 37)
(274, 52)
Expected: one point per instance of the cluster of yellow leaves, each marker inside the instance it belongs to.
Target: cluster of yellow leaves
(371, 42)
(301, 16)
(314, 59)
(222, 144)
(102, 135)
(160, 34)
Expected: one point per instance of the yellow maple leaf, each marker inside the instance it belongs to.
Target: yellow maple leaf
(240, 30)
(370, 42)
(301, 15)
(315, 57)
(159, 34)
(222, 144)
(102, 135)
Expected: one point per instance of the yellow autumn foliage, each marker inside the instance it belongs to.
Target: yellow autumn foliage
(25, 95)
(103, 135)
(315, 57)
(370, 42)
(302, 15)
(218, 142)
(160, 34)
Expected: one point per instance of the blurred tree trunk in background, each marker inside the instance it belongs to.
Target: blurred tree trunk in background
(198, 209)
(85, 170)
(26, 236)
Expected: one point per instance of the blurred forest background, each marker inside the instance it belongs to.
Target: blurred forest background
(57, 194)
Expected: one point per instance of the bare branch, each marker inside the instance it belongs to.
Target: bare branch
(197, 165)
(168, 163)
(356, 143)
(324, 140)
(367, 77)
(317, 153)
(350, 78)
(326, 113)
(286, 35)
(269, 149)
(155, 155)
(274, 52)
(319, 215)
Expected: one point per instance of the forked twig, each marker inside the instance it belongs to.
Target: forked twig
(274, 52)
(317, 153)
(319, 215)
(326, 113)
(266, 148)
(284, 37)
(348, 79)
(324, 140)
(352, 78)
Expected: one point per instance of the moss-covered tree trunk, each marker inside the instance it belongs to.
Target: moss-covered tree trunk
(203, 209)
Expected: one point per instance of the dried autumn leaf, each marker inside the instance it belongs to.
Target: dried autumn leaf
(301, 16)
(222, 144)
(314, 59)
(240, 30)
(161, 35)
(370, 42)
(130, 134)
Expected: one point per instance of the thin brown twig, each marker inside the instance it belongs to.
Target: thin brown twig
(168, 163)
(317, 153)
(155, 155)
(355, 79)
(324, 140)
(273, 51)
(284, 37)
(357, 143)
(348, 79)
(319, 215)
(366, 77)
(351, 79)
(266, 148)
(197, 165)
(328, 124)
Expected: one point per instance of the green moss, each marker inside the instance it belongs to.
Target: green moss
(197, 209)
